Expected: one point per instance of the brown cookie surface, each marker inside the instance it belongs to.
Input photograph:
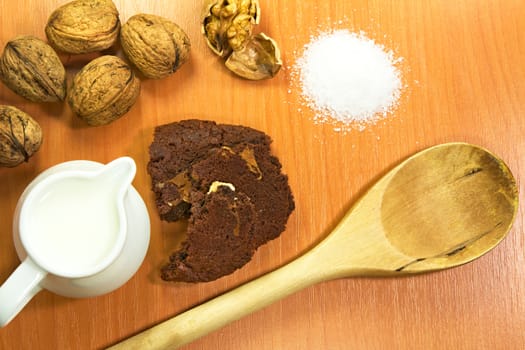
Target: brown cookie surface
(177, 146)
(226, 223)
(220, 238)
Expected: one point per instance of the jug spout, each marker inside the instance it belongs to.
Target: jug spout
(120, 171)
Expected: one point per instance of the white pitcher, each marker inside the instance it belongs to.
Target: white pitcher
(80, 229)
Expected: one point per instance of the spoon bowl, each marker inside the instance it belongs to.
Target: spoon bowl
(442, 207)
(445, 206)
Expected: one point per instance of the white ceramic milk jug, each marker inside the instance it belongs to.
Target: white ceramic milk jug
(80, 229)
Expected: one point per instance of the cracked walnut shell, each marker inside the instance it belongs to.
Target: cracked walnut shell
(83, 26)
(20, 136)
(155, 45)
(260, 59)
(32, 69)
(228, 28)
(227, 24)
(104, 90)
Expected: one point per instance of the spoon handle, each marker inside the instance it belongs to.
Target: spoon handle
(231, 306)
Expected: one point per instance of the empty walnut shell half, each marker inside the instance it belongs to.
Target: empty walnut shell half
(32, 69)
(104, 90)
(83, 26)
(260, 59)
(20, 136)
(227, 24)
(155, 45)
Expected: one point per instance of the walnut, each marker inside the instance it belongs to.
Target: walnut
(104, 90)
(83, 26)
(32, 69)
(260, 59)
(20, 136)
(155, 45)
(228, 28)
(227, 24)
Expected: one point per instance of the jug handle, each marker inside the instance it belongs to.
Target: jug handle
(18, 289)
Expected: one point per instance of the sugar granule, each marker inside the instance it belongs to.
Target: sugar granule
(348, 77)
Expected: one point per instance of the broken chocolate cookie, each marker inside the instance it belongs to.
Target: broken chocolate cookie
(249, 207)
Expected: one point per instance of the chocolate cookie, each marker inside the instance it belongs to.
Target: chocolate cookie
(176, 147)
(227, 224)
(220, 237)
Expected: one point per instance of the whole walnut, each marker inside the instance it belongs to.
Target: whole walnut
(83, 26)
(20, 136)
(154, 44)
(103, 90)
(32, 69)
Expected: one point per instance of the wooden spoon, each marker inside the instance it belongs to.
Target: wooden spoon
(443, 207)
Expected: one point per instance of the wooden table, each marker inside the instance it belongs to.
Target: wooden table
(464, 70)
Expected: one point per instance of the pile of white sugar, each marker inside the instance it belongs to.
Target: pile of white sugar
(348, 77)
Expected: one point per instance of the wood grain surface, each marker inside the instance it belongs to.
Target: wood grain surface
(463, 67)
